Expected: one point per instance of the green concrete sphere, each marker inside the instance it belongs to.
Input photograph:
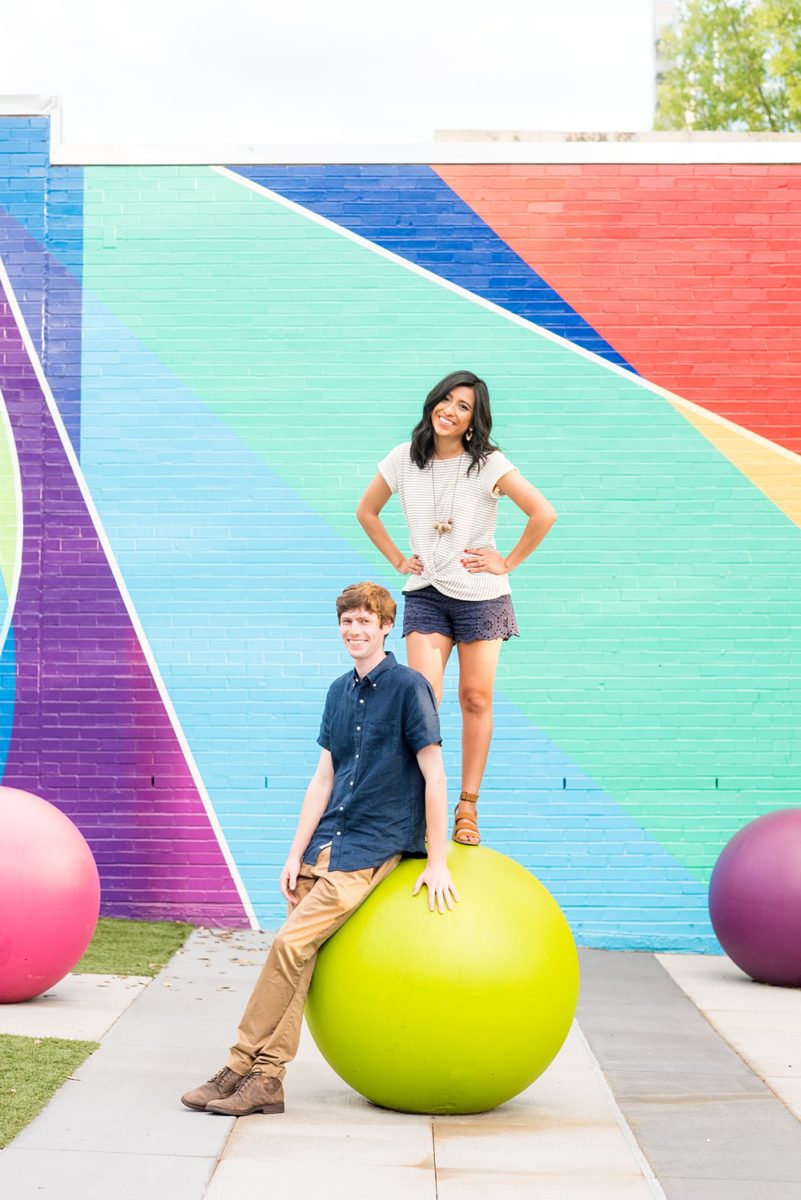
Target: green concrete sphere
(447, 1013)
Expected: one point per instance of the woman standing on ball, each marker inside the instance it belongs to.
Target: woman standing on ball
(449, 479)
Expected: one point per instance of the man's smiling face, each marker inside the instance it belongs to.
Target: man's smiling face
(363, 635)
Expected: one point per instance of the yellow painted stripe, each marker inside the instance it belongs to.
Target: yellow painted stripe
(771, 468)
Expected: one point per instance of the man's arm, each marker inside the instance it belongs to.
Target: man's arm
(315, 802)
(436, 877)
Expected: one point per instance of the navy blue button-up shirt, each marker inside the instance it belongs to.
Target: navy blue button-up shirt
(374, 728)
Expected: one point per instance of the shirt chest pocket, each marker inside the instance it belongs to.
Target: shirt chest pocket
(381, 737)
(380, 728)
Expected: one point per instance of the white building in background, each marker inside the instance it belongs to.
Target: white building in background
(665, 15)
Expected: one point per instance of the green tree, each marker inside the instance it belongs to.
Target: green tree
(732, 64)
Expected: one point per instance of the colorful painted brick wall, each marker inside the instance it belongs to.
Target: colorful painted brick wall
(200, 368)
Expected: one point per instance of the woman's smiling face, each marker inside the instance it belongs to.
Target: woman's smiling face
(452, 417)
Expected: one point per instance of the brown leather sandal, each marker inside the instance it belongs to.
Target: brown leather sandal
(465, 825)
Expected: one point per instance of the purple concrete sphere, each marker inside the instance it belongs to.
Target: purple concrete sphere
(755, 898)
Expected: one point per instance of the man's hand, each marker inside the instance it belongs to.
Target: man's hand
(437, 879)
(289, 877)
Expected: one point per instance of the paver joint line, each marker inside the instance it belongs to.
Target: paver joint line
(434, 1158)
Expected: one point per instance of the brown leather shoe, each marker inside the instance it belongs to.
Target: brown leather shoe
(220, 1086)
(256, 1093)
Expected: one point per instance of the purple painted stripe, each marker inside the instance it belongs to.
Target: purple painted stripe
(90, 731)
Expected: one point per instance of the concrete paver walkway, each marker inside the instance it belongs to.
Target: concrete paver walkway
(82, 1007)
(562, 1137)
(763, 1024)
(117, 1128)
(709, 1126)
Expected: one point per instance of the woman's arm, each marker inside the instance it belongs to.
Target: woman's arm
(367, 514)
(541, 516)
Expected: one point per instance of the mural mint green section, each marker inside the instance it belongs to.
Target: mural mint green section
(9, 508)
(660, 618)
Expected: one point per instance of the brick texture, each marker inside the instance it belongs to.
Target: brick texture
(231, 354)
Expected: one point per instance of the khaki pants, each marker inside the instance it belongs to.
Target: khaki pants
(269, 1031)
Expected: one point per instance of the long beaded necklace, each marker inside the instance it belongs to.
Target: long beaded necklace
(447, 525)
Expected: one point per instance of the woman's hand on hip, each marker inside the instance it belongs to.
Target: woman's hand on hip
(410, 566)
(484, 559)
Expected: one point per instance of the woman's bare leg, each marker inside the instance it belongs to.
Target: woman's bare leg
(428, 653)
(478, 662)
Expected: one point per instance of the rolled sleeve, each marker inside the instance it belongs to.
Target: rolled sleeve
(324, 736)
(494, 469)
(390, 467)
(420, 717)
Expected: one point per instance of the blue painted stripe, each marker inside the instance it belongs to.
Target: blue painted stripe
(412, 212)
(41, 242)
(38, 279)
(62, 358)
(8, 691)
(25, 149)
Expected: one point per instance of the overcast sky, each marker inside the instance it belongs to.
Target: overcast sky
(173, 71)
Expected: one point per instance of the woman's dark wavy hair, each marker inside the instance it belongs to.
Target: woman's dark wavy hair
(479, 447)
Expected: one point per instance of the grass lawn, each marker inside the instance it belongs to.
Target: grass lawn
(132, 947)
(33, 1069)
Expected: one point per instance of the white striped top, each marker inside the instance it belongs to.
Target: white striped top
(471, 501)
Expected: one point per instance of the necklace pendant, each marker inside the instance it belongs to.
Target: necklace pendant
(445, 526)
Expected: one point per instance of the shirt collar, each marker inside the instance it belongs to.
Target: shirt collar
(386, 664)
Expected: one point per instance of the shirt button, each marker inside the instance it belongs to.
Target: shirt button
(357, 755)
(351, 783)
(341, 809)
(339, 833)
(358, 727)
(361, 702)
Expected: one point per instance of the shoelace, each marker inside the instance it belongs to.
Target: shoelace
(221, 1075)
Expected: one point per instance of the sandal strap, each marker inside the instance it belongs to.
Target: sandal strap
(463, 816)
(465, 822)
(466, 835)
(471, 797)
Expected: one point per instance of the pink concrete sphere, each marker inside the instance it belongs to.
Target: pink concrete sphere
(49, 895)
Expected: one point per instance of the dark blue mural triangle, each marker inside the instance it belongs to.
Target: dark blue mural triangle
(412, 212)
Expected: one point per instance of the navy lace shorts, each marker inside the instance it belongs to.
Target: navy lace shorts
(429, 611)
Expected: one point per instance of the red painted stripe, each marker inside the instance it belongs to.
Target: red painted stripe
(693, 273)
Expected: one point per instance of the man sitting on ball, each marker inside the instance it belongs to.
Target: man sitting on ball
(378, 792)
